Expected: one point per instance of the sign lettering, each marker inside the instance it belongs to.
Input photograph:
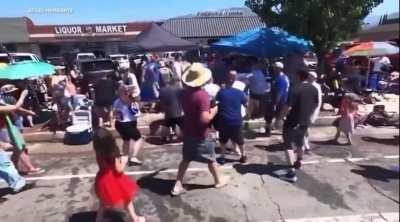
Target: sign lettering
(89, 29)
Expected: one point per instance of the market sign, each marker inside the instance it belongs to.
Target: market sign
(89, 29)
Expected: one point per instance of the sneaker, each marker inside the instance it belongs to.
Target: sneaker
(243, 159)
(177, 190)
(308, 152)
(297, 164)
(134, 161)
(19, 185)
(290, 176)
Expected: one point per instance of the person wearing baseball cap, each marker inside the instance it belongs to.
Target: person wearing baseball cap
(312, 79)
(198, 115)
(279, 95)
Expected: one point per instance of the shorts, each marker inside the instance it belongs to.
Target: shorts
(128, 130)
(199, 150)
(173, 122)
(103, 111)
(294, 135)
(233, 133)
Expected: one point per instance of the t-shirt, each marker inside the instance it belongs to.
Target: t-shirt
(380, 62)
(229, 106)
(169, 101)
(212, 90)
(280, 89)
(104, 92)
(257, 83)
(316, 111)
(194, 101)
(125, 112)
(131, 82)
(304, 101)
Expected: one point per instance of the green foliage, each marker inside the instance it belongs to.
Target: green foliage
(324, 22)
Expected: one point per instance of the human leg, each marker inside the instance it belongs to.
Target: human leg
(219, 180)
(178, 187)
(9, 173)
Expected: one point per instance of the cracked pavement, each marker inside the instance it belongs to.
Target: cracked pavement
(326, 188)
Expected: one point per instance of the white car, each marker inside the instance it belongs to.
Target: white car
(19, 56)
(85, 56)
(120, 59)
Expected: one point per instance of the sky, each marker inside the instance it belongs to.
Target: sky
(107, 11)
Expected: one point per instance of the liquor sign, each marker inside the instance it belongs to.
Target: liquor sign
(89, 29)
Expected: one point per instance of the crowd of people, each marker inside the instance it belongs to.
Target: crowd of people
(202, 102)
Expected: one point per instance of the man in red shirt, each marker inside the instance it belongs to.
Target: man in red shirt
(198, 115)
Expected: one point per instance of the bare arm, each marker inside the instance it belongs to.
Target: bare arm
(25, 112)
(21, 98)
(120, 163)
(207, 116)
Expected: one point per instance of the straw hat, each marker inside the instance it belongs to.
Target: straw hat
(8, 88)
(196, 75)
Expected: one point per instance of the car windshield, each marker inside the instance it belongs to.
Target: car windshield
(22, 58)
(119, 57)
(56, 61)
(83, 57)
(96, 66)
(4, 59)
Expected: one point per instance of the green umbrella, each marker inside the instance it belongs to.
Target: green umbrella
(26, 70)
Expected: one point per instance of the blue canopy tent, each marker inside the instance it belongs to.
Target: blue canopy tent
(263, 42)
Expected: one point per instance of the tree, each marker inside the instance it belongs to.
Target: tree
(324, 22)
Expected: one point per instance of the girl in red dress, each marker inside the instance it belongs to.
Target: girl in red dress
(114, 189)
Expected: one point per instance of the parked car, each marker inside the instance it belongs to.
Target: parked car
(85, 56)
(119, 59)
(18, 56)
(58, 62)
(92, 70)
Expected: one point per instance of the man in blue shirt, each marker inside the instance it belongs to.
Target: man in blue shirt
(279, 95)
(229, 115)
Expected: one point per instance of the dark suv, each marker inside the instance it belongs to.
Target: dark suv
(92, 70)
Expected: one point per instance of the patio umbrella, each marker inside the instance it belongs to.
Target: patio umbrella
(26, 69)
(371, 49)
(263, 42)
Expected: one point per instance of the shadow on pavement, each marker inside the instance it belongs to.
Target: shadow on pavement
(155, 140)
(163, 187)
(90, 216)
(326, 142)
(384, 141)
(376, 173)
(260, 169)
(272, 148)
(7, 191)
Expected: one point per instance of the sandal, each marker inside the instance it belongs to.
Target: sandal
(36, 171)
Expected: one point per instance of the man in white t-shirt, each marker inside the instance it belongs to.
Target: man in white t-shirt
(381, 67)
(312, 79)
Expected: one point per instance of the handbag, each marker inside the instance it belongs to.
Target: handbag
(15, 134)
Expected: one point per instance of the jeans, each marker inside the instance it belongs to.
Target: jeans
(9, 173)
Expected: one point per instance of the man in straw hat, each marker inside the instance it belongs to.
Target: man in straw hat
(198, 115)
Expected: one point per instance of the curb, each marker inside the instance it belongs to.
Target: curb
(57, 137)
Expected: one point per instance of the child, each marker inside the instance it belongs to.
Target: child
(348, 114)
(126, 112)
(113, 188)
(8, 172)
